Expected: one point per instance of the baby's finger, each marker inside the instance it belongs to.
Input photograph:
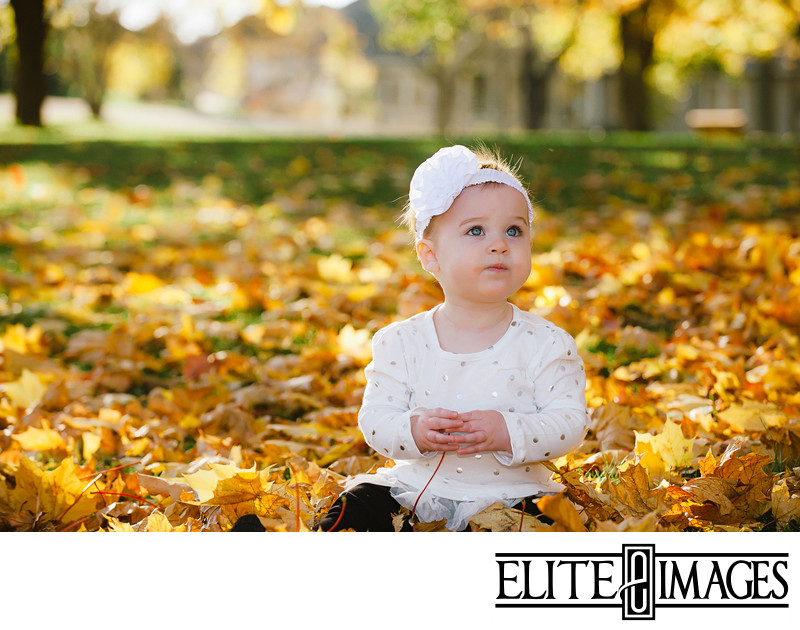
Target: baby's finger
(445, 424)
(443, 441)
(474, 442)
(444, 413)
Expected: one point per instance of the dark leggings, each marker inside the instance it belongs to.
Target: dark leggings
(367, 508)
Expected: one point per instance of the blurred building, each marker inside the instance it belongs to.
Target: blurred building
(505, 89)
(331, 75)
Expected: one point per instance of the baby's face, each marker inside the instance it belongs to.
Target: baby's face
(481, 245)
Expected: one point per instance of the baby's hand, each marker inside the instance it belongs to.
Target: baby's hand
(431, 429)
(483, 430)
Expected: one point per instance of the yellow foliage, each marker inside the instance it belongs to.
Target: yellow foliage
(336, 268)
(204, 357)
(785, 501)
(562, 511)
(355, 343)
(752, 416)
(26, 391)
(21, 339)
(138, 66)
(33, 439)
(57, 495)
(663, 452)
(204, 482)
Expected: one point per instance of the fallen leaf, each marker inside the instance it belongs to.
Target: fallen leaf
(499, 518)
(55, 496)
(562, 511)
(752, 416)
(204, 482)
(632, 495)
(666, 451)
(26, 391)
(34, 439)
(785, 501)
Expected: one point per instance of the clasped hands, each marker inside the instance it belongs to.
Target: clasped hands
(469, 432)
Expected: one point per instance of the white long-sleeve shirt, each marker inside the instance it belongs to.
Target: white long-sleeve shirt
(533, 375)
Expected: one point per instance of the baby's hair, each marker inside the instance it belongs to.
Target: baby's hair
(487, 158)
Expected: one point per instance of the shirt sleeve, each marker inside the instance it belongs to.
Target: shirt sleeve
(559, 424)
(385, 414)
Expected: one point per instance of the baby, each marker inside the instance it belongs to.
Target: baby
(470, 397)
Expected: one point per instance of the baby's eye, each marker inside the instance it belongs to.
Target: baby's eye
(475, 231)
(514, 231)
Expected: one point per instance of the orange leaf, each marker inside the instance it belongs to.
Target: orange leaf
(562, 511)
(633, 495)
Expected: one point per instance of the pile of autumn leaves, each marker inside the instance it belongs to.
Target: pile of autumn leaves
(206, 361)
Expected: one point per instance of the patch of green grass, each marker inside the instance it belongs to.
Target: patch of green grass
(376, 172)
(618, 355)
(607, 471)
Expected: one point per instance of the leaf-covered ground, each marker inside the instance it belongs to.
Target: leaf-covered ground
(184, 327)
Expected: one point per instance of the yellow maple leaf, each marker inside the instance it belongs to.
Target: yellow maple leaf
(55, 495)
(204, 482)
(21, 339)
(562, 511)
(336, 268)
(362, 292)
(157, 522)
(708, 464)
(667, 450)
(752, 416)
(632, 495)
(141, 283)
(33, 439)
(91, 444)
(27, 391)
(354, 343)
(251, 493)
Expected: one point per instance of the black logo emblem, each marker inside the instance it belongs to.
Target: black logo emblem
(639, 580)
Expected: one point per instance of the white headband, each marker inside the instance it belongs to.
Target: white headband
(441, 178)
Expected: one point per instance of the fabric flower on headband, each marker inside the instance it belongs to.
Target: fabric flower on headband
(441, 178)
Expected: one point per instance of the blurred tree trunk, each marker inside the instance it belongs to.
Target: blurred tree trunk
(637, 56)
(445, 94)
(766, 96)
(536, 77)
(86, 49)
(29, 81)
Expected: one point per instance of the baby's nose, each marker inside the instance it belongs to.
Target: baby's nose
(498, 245)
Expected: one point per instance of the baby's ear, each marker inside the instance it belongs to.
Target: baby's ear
(427, 256)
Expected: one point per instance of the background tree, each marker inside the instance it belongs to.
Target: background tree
(31, 23)
(649, 44)
(655, 43)
(436, 30)
(33, 20)
(86, 38)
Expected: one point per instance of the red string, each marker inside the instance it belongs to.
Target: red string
(413, 512)
(341, 514)
(129, 496)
